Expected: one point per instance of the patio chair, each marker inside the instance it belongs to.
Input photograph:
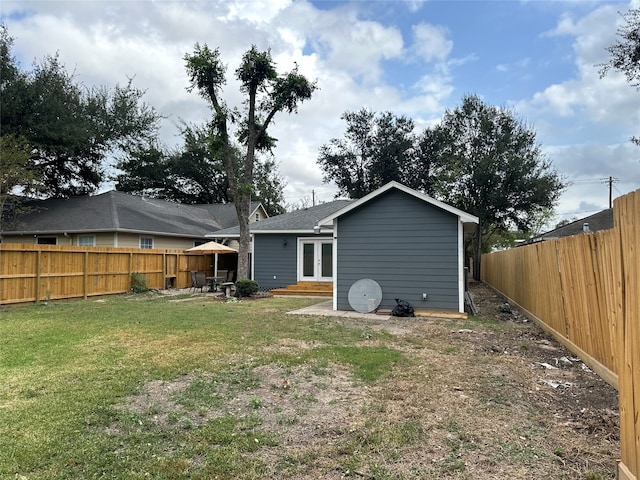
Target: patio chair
(198, 280)
(229, 285)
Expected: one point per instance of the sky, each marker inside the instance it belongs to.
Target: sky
(414, 58)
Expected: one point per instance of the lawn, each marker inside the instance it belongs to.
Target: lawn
(151, 386)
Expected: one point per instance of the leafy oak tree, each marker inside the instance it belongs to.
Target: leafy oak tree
(375, 150)
(71, 129)
(492, 167)
(625, 53)
(194, 173)
(267, 93)
(17, 174)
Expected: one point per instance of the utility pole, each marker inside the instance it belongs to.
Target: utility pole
(313, 198)
(610, 181)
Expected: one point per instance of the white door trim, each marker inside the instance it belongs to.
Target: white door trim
(317, 270)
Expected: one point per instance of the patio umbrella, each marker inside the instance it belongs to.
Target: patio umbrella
(212, 247)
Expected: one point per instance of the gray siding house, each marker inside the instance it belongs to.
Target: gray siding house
(407, 242)
(289, 248)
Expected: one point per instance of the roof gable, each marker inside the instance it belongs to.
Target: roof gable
(463, 216)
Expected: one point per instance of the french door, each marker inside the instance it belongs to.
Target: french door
(315, 260)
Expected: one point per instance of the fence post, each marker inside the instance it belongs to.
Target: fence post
(85, 279)
(38, 269)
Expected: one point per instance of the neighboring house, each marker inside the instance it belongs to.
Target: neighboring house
(407, 242)
(599, 221)
(118, 219)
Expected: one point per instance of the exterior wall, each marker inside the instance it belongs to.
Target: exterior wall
(272, 259)
(108, 239)
(132, 240)
(406, 245)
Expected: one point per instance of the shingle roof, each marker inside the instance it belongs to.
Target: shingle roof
(302, 220)
(598, 221)
(119, 211)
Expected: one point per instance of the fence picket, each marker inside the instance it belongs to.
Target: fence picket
(31, 273)
(585, 289)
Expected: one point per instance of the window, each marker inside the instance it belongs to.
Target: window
(86, 240)
(47, 240)
(146, 242)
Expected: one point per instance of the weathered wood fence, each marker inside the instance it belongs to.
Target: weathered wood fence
(30, 273)
(585, 290)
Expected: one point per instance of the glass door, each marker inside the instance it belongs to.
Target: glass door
(316, 260)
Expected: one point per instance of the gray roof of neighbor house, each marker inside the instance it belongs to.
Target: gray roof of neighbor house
(598, 221)
(298, 221)
(119, 211)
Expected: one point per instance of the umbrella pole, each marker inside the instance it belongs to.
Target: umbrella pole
(215, 265)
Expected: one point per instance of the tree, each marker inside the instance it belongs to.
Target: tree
(193, 173)
(374, 151)
(269, 187)
(267, 94)
(17, 173)
(72, 129)
(492, 167)
(625, 53)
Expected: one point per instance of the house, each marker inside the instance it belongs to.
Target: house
(280, 242)
(118, 219)
(602, 220)
(408, 243)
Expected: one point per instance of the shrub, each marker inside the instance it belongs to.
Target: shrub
(246, 287)
(139, 283)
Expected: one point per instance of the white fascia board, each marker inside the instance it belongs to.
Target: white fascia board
(213, 235)
(326, 231)
(292, 232)
(463, 216)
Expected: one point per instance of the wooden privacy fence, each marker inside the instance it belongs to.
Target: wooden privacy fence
(30, 273)
(585, 290)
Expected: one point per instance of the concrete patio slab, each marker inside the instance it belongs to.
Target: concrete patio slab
(326, 309)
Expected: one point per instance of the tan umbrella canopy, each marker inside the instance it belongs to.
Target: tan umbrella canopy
(212, 247)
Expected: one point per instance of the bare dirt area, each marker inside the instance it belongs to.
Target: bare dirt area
(491, 397)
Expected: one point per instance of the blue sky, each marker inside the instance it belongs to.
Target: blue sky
(413, 58)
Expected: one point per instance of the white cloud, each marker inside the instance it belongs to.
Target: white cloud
(345, 51)
(431, 42)
(587, 97)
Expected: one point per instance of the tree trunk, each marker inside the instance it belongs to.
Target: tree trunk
(243, 204)
(477, 252)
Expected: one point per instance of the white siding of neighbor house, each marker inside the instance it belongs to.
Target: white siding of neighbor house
(109, 239)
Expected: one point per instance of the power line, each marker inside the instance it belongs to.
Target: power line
(610, 181)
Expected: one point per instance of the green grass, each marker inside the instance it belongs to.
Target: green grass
(67, 368)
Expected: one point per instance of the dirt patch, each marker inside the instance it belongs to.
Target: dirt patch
(486, 398)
